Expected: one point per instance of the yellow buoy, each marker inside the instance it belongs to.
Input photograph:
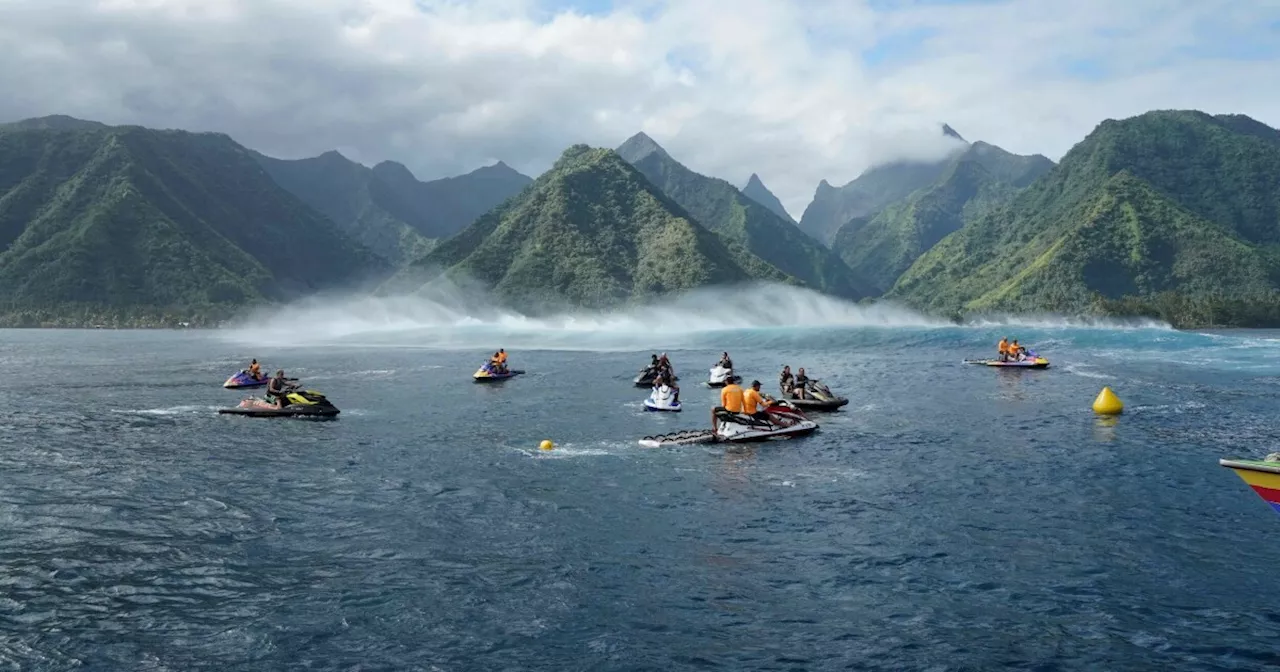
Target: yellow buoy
(546, 445)
(1107, 403)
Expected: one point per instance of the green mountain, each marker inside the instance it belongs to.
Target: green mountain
(881, 247)
(591, 232)
(453, 203)
(112, 222)
(53, 122)
(751, 230)
(756, 191)
(385, 207)
(1170, 213)
(872, 191)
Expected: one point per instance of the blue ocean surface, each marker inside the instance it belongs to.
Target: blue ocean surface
(951, 517)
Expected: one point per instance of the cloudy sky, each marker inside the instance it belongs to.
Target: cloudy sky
(796, 91)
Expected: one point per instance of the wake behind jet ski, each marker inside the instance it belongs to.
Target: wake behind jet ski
(296, 403)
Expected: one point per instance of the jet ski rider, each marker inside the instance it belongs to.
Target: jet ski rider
(725, 362)
(665, 378)
(753, 404)
(278, 388)
(1003, 348)
(801, 382)
(730, 400)
(786, 381)
(255, 370)
(498, 363)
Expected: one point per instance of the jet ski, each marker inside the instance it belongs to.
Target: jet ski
(818, 398)
(1030, 361)
(719, 376)
(785, 422)
(244, 380)
(488, 374)
(663, 398)
(301, 404)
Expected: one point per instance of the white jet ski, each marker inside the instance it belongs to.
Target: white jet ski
(663, 398)
(719, 376)
(786, 422)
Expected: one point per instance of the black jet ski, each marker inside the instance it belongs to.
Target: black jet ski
(648, 375)
(300, 404)
(818, 397)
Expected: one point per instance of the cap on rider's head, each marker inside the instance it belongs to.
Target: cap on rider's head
(755, 383)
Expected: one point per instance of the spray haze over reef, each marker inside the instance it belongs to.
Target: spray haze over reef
(447, 316)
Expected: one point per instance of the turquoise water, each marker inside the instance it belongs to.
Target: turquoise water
(951, 517)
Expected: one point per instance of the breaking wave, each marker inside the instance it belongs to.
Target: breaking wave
(447, 316)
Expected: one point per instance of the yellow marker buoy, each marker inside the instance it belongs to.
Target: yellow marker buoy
(1107, 403)
(546, 445)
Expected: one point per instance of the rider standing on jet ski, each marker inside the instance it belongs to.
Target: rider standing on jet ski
(725, 362)
(255, 370)
(730, 400)
(278, 388)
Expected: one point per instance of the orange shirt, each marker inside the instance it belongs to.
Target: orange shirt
(753, 401)
(731, 398)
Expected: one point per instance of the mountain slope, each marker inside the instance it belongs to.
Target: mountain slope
(385, 207)
(453, 203)
(756, 191)
(352, 197)
(872, 191)
(1167, 203)
(751, 230)
(128, 218)
(881, 247)
(589, 232)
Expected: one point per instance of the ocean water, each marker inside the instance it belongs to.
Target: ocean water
(951, 517)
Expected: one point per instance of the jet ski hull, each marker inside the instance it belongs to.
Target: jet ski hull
(244, 381)
(789, 424)
(646, 378)
(819, 404)
(786, 422)
(1037, 363)
(300, 407)
(719, 377)
(662, 399)
(483, 376)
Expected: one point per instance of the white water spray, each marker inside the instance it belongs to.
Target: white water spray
(447, 316)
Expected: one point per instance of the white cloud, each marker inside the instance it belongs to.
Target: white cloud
(730, 88)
